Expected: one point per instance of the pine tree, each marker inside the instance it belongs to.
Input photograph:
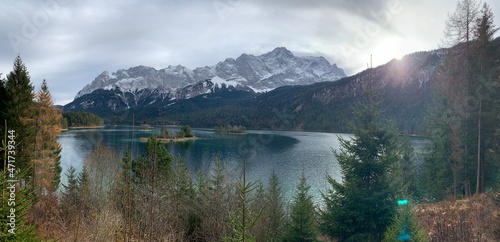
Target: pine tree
(452, 82)
(274, 213)
(183, 192)
(439, 168)
(243, 219)
(87, 199)
(76, 201)
(302, 227)
(123, 194)
(19, 113)
(152, 174)
(3, 106)
(20, 230)
(69, 196)
(466, 84)
(259, 205)
(460, 24)
(155, 157)
(16, 107)
(216, 199)
(484, 116)
(271, 224)
(362, 206)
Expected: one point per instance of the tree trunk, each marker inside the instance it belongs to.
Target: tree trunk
(479, 167)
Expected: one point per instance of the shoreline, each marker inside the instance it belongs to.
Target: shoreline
(168, 140)
(85, 127)
(230, 133)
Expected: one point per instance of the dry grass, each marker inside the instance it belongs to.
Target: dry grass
(471, 219)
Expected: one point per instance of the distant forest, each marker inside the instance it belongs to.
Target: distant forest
(81, 119)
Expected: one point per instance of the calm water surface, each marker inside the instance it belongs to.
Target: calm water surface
(288, 153)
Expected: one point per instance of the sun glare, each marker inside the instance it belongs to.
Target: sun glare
(388, 49)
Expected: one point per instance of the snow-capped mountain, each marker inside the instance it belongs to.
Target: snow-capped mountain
(262, 73)
(403, 85)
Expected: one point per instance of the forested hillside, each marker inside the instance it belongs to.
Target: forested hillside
(82, 119)
(404, 86)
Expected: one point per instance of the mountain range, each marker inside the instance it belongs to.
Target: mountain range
(247, 72)
(276, 90)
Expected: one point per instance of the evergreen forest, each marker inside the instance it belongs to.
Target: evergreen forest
(81, 119)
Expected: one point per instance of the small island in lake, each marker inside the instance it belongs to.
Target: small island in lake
(228, 129)
(185, 134)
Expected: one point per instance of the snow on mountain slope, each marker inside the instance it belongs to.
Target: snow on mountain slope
(259, 73)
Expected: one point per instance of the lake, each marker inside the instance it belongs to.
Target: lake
(288, 153)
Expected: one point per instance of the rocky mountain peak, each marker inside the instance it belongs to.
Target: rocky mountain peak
(280, 52)
(261, 73)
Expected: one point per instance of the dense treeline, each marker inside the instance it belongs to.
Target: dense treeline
(31, 155)
(228, 129)
(82, 119)
(463, 122)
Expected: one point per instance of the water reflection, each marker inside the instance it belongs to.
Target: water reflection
(287, 153)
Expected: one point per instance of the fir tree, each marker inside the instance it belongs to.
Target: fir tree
(20, 111)
(302, 227)
(183, 192)
(484, 117)
(439, 167)
(452, 82)
(20, 230)
(87, 207)
(259, 205)
(76, 200)
(362, 206)
(152, 171)
(465, 130)
(156, 158)
(123, 194)
(274, 212)
(70, 196)
(242, 220)
(215, 196)
(3, 106)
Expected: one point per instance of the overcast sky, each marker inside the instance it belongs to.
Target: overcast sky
(70, 42)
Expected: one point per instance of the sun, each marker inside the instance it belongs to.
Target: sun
(388, 49)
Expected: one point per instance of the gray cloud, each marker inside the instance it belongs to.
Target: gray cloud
(70, 42)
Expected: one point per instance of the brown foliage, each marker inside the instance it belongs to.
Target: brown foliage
(472, 219)
(46, 153)
(46, 216)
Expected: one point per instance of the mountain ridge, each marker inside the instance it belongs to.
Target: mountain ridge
(404, 85)
(260, 73)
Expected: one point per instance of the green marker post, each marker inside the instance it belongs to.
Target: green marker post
(404, 235)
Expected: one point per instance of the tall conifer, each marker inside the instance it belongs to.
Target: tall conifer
(20, 112)
(361, 207)
(302, 226)
(274, 213)
(47, 155)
